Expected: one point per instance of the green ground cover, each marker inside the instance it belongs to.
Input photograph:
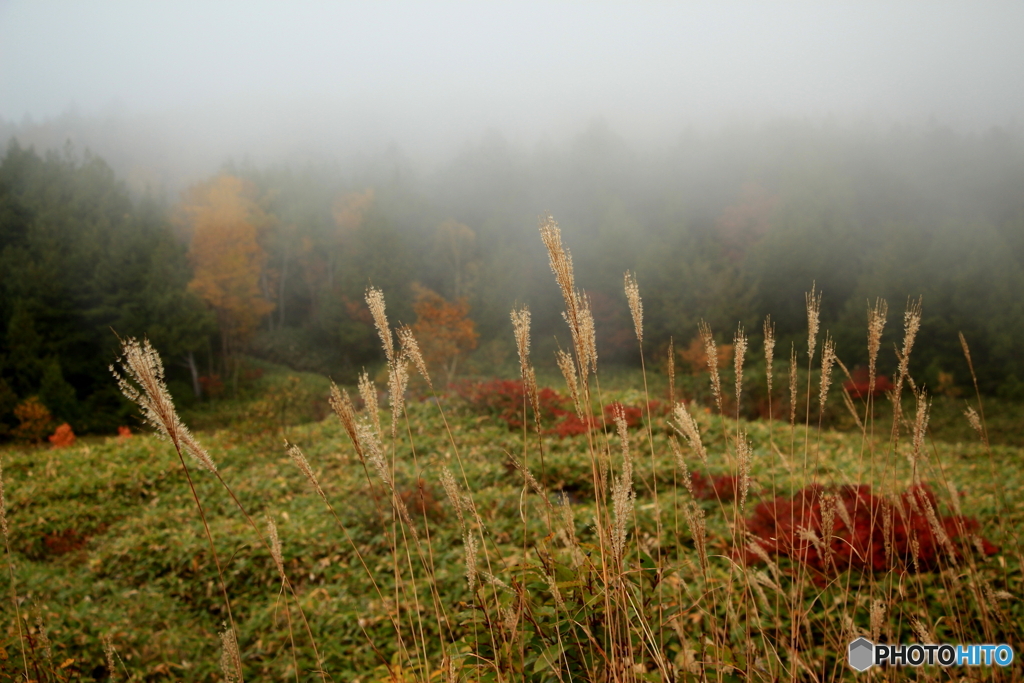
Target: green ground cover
(106, 539)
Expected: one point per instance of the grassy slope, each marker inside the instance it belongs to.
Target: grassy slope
(107, 539)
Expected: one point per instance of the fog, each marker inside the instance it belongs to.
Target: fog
(168, 92)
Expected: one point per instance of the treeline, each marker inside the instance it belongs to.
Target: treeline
(726, 228)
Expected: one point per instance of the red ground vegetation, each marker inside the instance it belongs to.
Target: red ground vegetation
(503, 398)
(792, 527)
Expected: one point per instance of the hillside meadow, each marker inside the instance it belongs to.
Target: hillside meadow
(106, 542)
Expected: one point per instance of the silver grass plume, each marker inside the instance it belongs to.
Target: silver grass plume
(636, 305)
(746, 458)
(681, 463)
(711, 352)
(877, 619)
(975, 421)
(368, 392)
(876, 324)
(813, 302)
(687, 426)
(471, 547)
(920, 428)
(911, 325)
(792, 384)
(275, 547)
(739, 355)
(411, 350)
(568, 368)
(828, 359)
(346, 412)
(44, 641)
(297, 456)
(108, 654)
(143, 384)
(769, 350)
(375, 300)
(398, 380)
(623, 494)
(230, 662)
(451, 488)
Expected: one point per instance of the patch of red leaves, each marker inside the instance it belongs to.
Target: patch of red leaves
(62, 437)
(715, 487)
(792, 527)
(503, 398)
(859, 384)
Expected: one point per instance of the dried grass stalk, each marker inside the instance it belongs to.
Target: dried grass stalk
(521, 330)
(577, 308)
(739, 355)
(230, 662)
(368, 392)
(792, 384)
(681, 463)
(143, 384)
(769, 351)
(745, 456)
(671, 371)
(411, 350)
(375, 300)
(813, 303)
(346, 412)
(711, 352)
(877, 619)
(297, 456)
(636, 305)
(687, 426)
(108, 654)
(568, 368)
(876, 324)
(828, 359)
(623, 495)
(275, 547)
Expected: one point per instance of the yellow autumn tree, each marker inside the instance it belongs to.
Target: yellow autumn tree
(228, 262)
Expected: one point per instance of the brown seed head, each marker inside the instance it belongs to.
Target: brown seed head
(769, 349)
(143, 384)
(636, 305)
(813, 301)
(275, 546)
(375, 300)
(711, 351)
(739, 355)
(828, 359)
(521, 330)
(876, 324)
(411, 350)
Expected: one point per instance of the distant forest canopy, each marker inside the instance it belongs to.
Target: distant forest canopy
(274, 262)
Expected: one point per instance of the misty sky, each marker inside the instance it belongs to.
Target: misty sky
(434, 74)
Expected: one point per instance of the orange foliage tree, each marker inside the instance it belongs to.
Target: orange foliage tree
(696, 357)
(443, 329)
(228, 261)
(34, 420)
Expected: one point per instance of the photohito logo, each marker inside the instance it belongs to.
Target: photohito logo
(863, 654)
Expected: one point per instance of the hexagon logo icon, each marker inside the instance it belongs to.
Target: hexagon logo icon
(861, 654)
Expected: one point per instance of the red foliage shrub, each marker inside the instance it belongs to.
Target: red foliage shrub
(634, 416)
(793, 528)
(63, 437)
(859, 383)
(716, 487)
(124, 433)
(503, 398)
